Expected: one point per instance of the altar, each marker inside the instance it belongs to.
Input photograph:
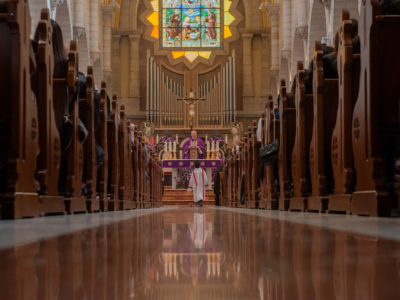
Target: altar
(206, 164)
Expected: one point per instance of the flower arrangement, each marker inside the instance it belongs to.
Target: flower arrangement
(217, 137)
(182, 182)
(166, 138)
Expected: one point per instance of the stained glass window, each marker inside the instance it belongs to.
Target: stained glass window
(191, 24)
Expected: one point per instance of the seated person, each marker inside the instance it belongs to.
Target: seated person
(193, 148)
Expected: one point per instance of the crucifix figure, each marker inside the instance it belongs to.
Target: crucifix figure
(191, 102)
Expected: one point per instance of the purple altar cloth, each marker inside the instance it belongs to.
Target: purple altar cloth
(189, 163)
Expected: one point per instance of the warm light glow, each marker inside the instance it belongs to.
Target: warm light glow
(155, 5)
(191, 55)
(153, 18)
(176, 54)
(155, 32)
(228, 18)
(227, 32)
(205, 54)
(227, 5)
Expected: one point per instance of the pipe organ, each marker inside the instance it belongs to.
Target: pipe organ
(216, 87)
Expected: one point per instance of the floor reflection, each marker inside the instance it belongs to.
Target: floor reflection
(201, 254)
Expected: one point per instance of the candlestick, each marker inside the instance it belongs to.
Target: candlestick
(165, 146)
(208, 154)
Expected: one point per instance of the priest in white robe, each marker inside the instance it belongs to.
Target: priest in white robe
(198, 184)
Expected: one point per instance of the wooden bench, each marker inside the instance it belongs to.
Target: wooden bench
(287, 128)
(86, 115)
(325, 104)
(242, 177)
(262, 204)
(49, 159)
(113, 151)
(19, 114)
(300, 155)
(271, 172)
(125, 166)
(376, 112)
(254, 162)
(341, 144)
(136, 168)
(106, 144)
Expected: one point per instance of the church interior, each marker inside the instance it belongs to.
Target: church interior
(199, 149)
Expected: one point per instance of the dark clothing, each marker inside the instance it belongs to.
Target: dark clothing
(217, 184)
(390, 7)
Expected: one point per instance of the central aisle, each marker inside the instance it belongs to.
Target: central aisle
(184, 253)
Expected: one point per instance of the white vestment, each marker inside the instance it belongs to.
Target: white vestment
(198, 230)
(198, 184)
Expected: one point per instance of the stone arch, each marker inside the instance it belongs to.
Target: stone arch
(297, 54)
(64, 19)
(248, 9)
(35, 7)
(83, 50)
(316, 28)
(337, 6)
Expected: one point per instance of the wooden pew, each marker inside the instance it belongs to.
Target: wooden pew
(254, 160)
(262, 204)
(325, 96)
(113, 153)
(300, 155)
(270, 172)
(229, 179)
(224, 185)
(136, 168)
(248, 166)
(19, 115)
(141, 170)
(86, 114)
(102, 139)
(49, 159)
(287, 114)
(146, 186)
(376, 113)
(341, 144)
(125, 166)
(74, 202)
(241, 167)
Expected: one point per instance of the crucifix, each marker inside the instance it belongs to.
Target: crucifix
(191, 102)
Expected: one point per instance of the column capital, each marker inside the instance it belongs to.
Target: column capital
(108, 11)
(287, 54)
(273, 11)
(326, 3)
(247, 37)
(55, 3)
(78, 32)
(134, 37)
(274, 73)
(107, 74)
(94, 56)
(265, 37)
(302, 31)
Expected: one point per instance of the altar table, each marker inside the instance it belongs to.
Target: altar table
(175, 164)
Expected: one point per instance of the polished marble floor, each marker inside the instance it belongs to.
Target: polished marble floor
(200, 253)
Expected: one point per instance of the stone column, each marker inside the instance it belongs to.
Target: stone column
(248, 92)
(116, 66)
(134, 84)
(273, 12)
(302, 25)
(108, 11)
(54, 4)
(79, 26)
(94, 31)
(266, 65)
(286, 51)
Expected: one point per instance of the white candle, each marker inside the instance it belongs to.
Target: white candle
(208, 146)
(157, 138)
(206, 137)
(226, 139)
(176, 139)
(174, 146)
(212, 146)
(165, 146)
(170, 146)
(217, 143)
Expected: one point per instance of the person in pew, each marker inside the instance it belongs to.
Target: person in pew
(198, 183)
(390, 7)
